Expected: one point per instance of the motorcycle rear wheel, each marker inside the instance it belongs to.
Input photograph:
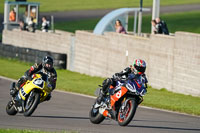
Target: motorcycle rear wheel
(124, 118)
(10, 109)
(34, 104)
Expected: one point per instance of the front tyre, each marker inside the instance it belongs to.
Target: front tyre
(95, 116)
(31, 103)
(10, 109)
(126, 115)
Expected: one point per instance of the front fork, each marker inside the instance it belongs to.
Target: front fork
(18, 103)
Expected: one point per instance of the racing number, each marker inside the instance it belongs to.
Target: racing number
(119, 94)
(38, 81)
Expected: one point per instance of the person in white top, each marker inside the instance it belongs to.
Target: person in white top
(45, 24)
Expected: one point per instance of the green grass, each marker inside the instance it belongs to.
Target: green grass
(72, 26)
(66, 5)
(29, 131)
(76, 82)
(172, 101)
(80, 83)
(67, 80)
(187, 21)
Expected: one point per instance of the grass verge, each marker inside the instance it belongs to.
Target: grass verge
(0, 37)
(29, 131)
(187, 21)
(66, 5)
(80, 83)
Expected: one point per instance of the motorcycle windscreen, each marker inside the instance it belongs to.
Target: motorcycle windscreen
(136, 87)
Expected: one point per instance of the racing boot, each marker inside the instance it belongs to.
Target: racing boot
(13, 90)
(105, 87)
(100, 98)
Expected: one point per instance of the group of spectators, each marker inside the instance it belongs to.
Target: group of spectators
(159, 27)
(29, 24)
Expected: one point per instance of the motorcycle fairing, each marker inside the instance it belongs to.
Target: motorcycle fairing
(29, 86)
(117, 96)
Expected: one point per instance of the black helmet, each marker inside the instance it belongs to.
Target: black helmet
(47, 62)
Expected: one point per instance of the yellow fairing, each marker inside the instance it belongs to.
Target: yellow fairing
(29, 86)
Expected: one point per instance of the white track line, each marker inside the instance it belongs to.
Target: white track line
(93, 97)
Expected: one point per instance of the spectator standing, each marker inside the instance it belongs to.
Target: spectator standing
(45, 24)
(162, 27)
(155, 29)
(119, 28)
(31, 25)
(12, 15)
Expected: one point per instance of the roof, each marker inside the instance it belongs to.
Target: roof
(21, 3)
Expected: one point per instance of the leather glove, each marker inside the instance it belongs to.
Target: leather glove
(116, 76)
(27, 76)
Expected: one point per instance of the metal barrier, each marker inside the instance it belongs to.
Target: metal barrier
(32, 55)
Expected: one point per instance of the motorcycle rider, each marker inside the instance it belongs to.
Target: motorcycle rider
(137, 69)
(46, 67)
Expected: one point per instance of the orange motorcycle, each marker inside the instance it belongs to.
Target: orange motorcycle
(122, 105)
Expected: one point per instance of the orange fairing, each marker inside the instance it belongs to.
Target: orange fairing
(118, 95)
(105, 113)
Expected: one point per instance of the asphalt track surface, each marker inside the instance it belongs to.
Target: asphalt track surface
(69, 112)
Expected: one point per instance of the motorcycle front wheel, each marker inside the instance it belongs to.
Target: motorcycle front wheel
(10, 109)
(95, 116)
(31, 103)
(126, 115)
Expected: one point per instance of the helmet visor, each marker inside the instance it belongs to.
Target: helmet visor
(49, 65)
(140, 69)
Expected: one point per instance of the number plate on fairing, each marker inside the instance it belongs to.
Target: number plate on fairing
(39, 82)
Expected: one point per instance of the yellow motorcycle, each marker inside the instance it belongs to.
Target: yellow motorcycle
(30, 95)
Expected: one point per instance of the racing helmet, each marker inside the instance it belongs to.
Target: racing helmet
(139, 66)
(47, 62)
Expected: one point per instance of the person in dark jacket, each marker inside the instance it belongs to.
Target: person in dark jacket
(161, 27)
(137, 69)
(46, 67)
